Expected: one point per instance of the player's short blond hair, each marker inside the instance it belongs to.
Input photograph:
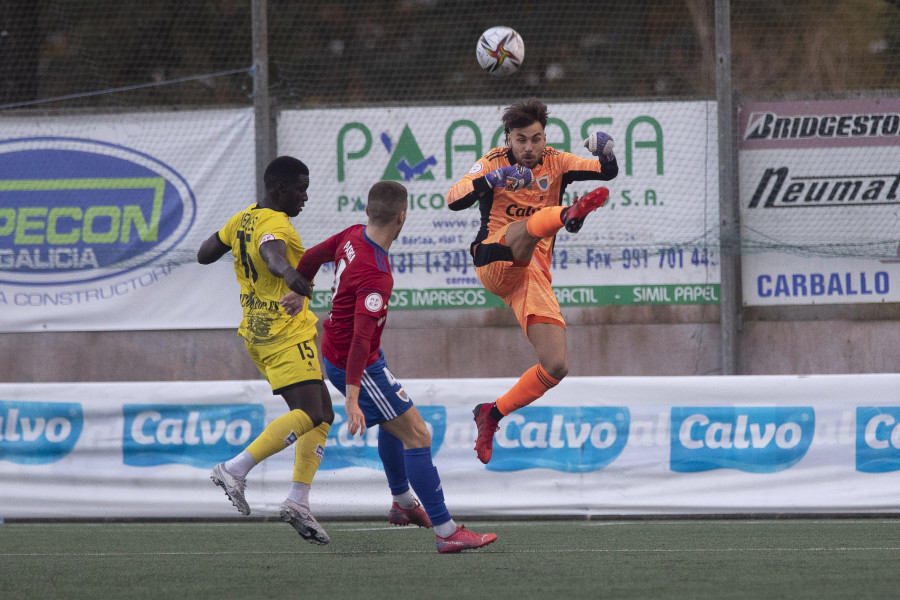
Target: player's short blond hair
(387, 199)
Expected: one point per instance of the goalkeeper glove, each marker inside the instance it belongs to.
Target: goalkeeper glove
(513, 178)
(601, 145)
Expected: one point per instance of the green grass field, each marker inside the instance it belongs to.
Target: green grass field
(553, 560)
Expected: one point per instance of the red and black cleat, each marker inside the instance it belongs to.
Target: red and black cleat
(574, 216)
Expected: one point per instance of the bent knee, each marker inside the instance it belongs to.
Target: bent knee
(556, 369)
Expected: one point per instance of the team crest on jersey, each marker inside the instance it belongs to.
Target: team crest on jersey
(543, 182)
(476, 168)
(374, 302)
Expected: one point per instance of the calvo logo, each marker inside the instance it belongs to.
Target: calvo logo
(76, 210)
(877, 439)
(343, 450)
(38, 433)
(571, 439)
(751, 439)
(199, 435)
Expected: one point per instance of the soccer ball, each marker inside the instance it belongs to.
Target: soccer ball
(500, 51)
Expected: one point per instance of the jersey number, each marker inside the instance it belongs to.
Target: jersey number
(306, 352)
(338, 269)
(249, 270)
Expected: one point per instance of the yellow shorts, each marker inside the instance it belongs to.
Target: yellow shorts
(525, 288)
(288, 367)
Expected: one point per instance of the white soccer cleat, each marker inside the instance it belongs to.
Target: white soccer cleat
(233, 486)
(302, 520)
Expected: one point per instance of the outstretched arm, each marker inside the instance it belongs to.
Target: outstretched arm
(470, 189)
(601, 145)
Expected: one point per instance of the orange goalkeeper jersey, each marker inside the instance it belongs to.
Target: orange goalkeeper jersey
(500, 207)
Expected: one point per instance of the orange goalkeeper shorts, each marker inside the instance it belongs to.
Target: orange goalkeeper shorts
(525, 288)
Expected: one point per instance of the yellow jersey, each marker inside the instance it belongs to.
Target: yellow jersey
(264, 323)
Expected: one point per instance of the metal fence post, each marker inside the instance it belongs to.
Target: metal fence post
(263, 122)
(729, 215)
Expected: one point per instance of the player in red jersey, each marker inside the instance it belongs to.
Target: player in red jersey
(355, 364)
(519, 191)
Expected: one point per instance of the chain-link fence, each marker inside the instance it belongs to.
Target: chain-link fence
(101, 57)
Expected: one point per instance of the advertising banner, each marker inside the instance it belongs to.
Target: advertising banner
(820, 198)
(654, 242)
(101, 218)
(592, 446)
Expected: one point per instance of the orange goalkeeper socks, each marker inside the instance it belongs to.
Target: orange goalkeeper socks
(545, 222)
(530, 386)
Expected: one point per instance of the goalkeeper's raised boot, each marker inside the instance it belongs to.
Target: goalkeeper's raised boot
(299, 517)
(487, 427)
(573, 216)
(233, 485)
(409, 516)
(463, 539)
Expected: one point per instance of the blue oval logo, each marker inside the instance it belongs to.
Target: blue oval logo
(38, 433)
(200, 435)
(877, 439)
(571, 439)
(750, 439)
(344, 450)
(77, 210)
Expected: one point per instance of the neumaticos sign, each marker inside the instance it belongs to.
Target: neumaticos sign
(77, 210)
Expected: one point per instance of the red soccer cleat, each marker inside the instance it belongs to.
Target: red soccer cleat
(581, 207)
(409, 516)
(463, 539)
(487, 426)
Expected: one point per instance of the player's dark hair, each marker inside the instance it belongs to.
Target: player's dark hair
(523, 113)
(285, 169)
(387, 199)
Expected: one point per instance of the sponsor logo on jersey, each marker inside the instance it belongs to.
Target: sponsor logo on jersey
(877, 439)
(77, 210)
(569, 439)
(514, 210)
(37, 433)
(349, 251)
(755, 440)
(200, 435)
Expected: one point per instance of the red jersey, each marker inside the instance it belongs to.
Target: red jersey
(362, 288)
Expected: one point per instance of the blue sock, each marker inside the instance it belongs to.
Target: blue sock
(390, 450)
(427, 483)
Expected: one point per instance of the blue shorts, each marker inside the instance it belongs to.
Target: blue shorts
(381, 397)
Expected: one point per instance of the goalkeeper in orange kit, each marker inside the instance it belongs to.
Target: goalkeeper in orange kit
(519, 189)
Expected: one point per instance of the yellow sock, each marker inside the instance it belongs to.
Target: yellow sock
(308, 454)
(545, 222)
(531, 385)
(279, 434)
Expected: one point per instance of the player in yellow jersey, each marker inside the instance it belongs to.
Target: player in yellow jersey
(266, 248)
(519, 191)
